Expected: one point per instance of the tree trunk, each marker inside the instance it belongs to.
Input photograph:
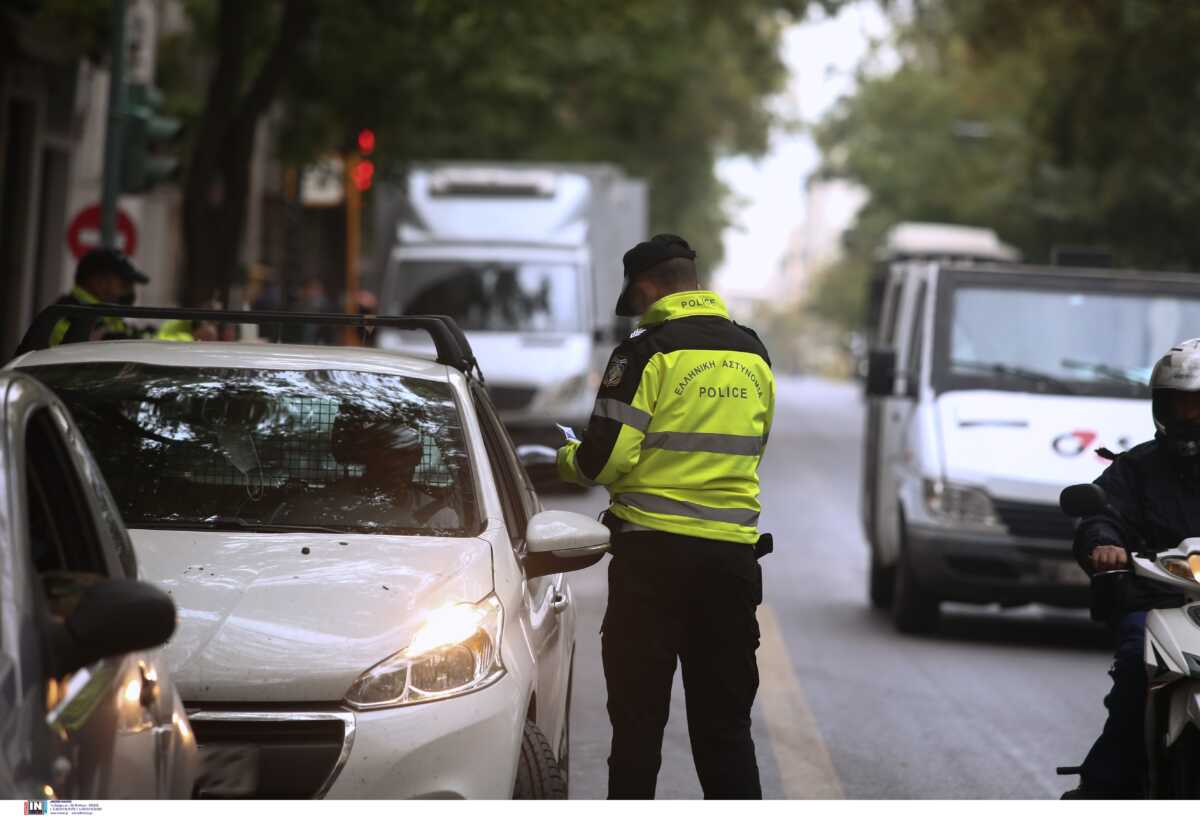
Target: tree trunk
(215, 193)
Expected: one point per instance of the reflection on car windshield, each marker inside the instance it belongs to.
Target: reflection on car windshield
(526, 297)
(231, 448)
(1097, 341)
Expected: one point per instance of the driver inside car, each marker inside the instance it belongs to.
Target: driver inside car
(379, 489)
(1153, 495)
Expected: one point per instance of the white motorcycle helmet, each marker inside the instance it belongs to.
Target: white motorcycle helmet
(1175, 375)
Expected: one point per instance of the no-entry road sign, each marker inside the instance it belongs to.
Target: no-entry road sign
(83, 235)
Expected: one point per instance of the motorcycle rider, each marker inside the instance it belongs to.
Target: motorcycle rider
(1153, 495)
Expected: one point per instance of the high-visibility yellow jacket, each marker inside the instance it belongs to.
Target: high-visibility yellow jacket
(82, 297)
(680, 423)
(179, 331)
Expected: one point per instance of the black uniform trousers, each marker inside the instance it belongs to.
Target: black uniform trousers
(692, 600)
(1116, 765)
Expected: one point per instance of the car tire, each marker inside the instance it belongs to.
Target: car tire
(881, 581)
(538, 773)
(914, 611)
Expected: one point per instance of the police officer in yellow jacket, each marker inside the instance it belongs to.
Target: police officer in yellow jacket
(102, 276)
(676, 436)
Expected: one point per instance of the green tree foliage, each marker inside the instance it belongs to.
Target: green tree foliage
(660, 88)
(1055, 123)
(68, 27)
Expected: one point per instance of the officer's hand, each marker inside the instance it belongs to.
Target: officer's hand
(1108, 557)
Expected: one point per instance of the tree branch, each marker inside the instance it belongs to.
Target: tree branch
(298, 19)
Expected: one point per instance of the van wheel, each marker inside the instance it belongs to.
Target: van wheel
(913, 610)
(538, 774)
(881, 581)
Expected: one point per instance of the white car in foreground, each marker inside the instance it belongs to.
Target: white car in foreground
(371, 599)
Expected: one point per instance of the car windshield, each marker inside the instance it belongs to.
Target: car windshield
(501, 297)
(274, 450)
(1060, 340)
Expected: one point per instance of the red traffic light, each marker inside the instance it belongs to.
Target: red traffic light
(364, 174)
(366, 141)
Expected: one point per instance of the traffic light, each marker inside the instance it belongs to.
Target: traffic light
(146, 160)
(363, 168)
(366, 142)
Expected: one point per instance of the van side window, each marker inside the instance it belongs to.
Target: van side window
(916, 340)
(887, 332)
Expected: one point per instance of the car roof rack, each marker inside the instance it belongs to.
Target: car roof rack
(452, 347)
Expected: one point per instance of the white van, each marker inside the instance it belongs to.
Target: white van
(991, 388)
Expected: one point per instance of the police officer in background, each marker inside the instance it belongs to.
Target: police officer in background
(102, 276)
(676, 436)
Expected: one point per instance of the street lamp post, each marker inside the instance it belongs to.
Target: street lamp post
(114, 133)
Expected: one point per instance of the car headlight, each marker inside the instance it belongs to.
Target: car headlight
(957, 504)
(1186, 568)
(456, 650)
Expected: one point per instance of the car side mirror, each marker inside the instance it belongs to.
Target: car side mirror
(540, 462)
(560, 541)
(881, 372)
(1083, 500)
(112, 618)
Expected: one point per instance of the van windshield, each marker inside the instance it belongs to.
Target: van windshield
(490, 296)
(1062, 337)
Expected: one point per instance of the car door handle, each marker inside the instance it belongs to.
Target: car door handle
(559, 602)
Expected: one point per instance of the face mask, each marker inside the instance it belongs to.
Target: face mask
(127, 299)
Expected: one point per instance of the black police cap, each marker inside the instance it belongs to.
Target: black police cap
(103, 261)
(647, 255)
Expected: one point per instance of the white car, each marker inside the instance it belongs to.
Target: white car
(89, 710)
(371, 597)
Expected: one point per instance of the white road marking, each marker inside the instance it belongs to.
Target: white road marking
(805, 767)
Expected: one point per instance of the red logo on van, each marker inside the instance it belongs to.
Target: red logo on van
(1074, 443)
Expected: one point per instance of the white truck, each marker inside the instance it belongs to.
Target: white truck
(527, 259)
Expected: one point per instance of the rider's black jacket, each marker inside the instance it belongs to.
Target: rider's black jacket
(1154, 504)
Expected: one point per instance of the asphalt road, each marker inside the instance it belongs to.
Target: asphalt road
(986, 708)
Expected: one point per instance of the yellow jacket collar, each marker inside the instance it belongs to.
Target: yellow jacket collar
(700, 302)
(84, 296)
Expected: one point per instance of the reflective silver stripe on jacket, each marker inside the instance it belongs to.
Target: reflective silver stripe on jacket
(673, 507)
(704, 442)
(622, 412)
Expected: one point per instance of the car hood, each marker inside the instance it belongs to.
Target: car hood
(1027, 447)
(297, 617)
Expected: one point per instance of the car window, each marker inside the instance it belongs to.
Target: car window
(505, 468)
(261, 449)
(517, 494)
(112, 529)
(62, 532)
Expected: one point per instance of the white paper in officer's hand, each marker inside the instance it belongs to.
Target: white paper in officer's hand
(568, 432)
